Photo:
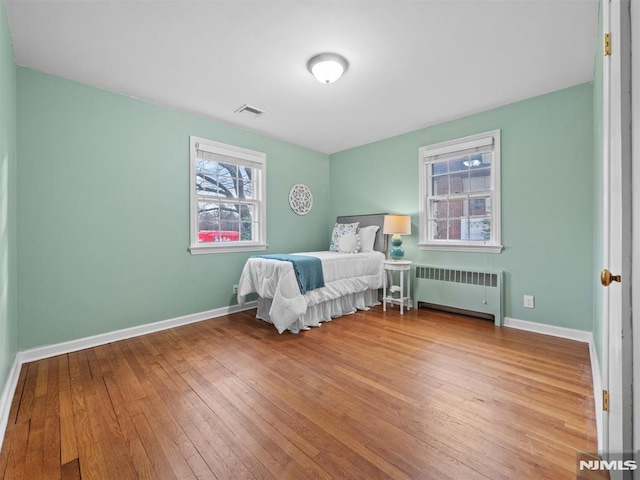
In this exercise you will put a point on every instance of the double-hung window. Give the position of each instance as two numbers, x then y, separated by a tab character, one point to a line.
460	194
228	204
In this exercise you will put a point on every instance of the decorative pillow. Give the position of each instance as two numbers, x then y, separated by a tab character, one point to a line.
349	243
367	238
339	230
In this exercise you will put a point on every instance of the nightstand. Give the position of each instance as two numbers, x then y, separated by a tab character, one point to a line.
403	267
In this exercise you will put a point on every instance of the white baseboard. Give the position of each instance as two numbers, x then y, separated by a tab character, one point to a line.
580	336
563	332
39	353
89	342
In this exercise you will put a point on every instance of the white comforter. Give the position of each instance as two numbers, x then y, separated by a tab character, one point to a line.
343	274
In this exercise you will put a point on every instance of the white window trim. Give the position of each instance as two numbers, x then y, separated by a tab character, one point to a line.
451	146
197	248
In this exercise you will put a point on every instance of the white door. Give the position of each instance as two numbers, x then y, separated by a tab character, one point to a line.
617	346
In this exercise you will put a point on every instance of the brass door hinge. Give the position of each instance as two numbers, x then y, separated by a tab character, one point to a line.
605	400
607	44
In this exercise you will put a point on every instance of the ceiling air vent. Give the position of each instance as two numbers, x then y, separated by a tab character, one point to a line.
250	111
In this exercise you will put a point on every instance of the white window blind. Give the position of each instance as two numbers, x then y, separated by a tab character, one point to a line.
483	144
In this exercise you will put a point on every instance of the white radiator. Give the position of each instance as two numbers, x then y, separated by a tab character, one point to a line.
465	290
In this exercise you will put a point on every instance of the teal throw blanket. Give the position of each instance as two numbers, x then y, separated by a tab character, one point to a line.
308	270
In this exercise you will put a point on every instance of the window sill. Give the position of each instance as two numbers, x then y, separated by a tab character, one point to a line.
448	247
225	247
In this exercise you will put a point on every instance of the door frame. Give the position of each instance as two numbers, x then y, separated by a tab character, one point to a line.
635	180
617	351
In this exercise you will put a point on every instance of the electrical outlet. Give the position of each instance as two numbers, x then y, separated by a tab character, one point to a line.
235	289
529	301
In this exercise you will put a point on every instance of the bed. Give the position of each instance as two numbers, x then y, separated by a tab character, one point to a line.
352	278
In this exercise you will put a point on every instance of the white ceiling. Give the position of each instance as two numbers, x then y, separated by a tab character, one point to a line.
411	63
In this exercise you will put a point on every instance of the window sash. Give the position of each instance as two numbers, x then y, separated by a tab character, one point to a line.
463	213
469	188
464	197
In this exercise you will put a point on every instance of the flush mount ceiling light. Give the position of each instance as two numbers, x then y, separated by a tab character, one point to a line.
327	67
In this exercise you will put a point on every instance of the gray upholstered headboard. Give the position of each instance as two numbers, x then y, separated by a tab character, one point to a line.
380	244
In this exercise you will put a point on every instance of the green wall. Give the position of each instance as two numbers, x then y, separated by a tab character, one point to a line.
547	198
103	211
8	272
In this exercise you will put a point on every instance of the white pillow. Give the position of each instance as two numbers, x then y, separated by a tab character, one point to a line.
368	238
349	243
339	230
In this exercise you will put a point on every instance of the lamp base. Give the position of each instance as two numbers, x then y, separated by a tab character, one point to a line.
396	252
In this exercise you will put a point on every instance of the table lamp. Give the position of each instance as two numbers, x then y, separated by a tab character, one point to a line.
396	225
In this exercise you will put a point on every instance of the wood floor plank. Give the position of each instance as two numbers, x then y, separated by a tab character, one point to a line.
183	456
370	395
123	407
75	381
92	465
12	420
51	432
89	462
35	443
157	459
68	439
70	470
28	393
112	448
17	452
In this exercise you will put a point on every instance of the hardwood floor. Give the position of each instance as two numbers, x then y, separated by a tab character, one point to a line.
369	396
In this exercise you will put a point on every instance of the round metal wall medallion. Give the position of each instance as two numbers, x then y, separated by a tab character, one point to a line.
300	199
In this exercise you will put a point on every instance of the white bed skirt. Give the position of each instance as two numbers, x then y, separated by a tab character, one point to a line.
324	311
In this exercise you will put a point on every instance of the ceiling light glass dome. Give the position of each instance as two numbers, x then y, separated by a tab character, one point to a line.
327	67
